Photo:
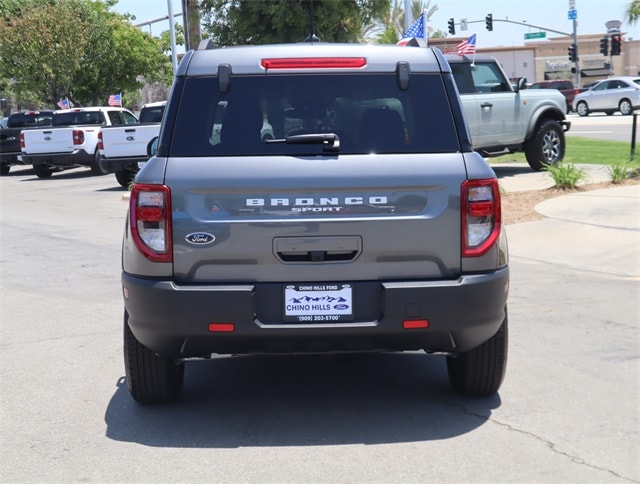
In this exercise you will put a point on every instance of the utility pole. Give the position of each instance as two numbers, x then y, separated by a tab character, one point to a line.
573	15
191	19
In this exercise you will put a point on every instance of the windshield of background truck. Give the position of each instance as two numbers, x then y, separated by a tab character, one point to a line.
368	113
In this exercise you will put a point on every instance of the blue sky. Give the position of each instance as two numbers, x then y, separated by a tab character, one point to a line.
592	15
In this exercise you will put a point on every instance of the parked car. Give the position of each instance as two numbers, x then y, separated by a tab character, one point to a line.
563	85
620	93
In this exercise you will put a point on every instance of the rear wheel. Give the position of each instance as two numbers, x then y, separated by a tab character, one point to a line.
125	177
546	146
479	372
96	166
582	109
151	378
43	171
625	107
4	169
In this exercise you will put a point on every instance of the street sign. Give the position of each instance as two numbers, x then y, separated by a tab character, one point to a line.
463	24
535	35
572	14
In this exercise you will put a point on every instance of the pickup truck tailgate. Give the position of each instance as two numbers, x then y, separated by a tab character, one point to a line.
317	219
127	141
54	140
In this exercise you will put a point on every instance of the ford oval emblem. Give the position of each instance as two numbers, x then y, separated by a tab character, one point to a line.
130	138
200	238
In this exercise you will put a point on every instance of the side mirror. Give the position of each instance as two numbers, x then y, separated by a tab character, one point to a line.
152	147
522	84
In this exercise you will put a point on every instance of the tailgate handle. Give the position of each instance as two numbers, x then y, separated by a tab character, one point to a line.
317	249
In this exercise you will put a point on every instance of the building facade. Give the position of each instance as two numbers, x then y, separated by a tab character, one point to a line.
549	59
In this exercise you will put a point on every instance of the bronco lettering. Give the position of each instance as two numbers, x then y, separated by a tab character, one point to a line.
315	202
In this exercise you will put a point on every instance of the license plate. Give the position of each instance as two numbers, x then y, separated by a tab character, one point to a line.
309	303
141	164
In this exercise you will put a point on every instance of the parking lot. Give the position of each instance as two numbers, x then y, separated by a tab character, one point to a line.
567	412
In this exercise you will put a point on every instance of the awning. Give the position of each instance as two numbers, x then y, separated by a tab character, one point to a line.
595	73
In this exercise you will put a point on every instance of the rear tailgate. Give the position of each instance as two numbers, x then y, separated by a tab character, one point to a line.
355	217
128	141
50	140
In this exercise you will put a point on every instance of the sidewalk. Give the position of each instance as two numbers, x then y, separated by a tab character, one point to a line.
596	230
519	177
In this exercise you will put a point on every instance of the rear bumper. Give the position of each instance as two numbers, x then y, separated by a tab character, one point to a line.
174	320
117	164
75	158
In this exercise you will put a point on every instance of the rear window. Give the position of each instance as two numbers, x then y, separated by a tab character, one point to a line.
23	120
151	114
77	118
368	113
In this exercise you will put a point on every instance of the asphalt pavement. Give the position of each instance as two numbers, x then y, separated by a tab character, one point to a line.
593	230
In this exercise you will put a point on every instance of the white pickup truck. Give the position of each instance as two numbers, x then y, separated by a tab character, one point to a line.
123	149
72	139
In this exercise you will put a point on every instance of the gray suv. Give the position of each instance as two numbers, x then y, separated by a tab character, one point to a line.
313	198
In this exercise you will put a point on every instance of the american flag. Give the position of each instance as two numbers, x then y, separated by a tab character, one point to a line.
467	46
115	100
416	30
63	103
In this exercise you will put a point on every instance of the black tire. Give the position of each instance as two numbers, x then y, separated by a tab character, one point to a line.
546	146
582	109
625	107
96	166
479	372
151	378
4	169
42	170
125	177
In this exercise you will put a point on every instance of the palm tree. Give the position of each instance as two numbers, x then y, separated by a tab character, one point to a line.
391	27
632	14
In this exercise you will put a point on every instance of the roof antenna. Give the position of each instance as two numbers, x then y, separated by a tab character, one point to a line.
312	36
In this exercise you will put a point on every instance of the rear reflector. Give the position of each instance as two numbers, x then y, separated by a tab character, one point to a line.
315	63
222	327
415	324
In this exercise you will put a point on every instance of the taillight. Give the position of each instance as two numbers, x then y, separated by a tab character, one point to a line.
78	137
22	145
481	216
100	143
315	63
150	221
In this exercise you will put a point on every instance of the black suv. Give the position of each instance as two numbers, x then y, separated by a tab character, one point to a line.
314	198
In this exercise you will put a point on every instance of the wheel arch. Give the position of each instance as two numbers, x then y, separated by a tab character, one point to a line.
543	114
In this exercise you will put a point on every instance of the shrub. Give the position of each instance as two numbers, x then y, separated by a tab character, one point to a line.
619	172
566	175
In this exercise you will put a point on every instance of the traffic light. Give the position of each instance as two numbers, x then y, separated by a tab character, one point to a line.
573	53
604	46
615	44
452	26
488	20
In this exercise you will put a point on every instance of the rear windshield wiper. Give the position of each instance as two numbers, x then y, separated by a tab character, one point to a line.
330	141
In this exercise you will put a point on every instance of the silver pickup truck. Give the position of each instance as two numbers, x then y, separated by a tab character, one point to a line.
363	222
505	119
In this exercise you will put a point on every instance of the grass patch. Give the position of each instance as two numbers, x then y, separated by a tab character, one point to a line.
588	151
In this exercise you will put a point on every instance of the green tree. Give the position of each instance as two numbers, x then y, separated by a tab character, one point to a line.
632	12
76	48
39	48
237	22
120	55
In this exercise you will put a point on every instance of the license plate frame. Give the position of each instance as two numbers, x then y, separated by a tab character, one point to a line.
318	303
